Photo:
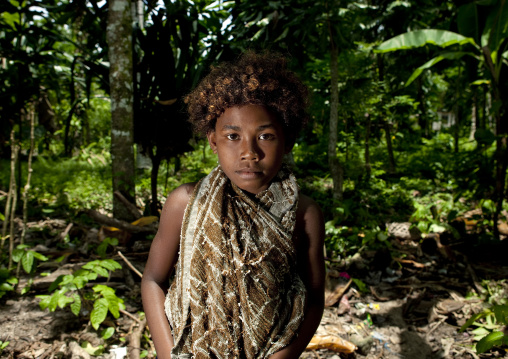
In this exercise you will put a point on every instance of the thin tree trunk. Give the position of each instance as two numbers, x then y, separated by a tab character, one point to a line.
474	117
367	147
119	36
500	89
422	119
391	157
154	205
29	175
336	169
14	195
12	190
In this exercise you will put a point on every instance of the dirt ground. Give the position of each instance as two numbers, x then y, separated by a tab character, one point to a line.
417	294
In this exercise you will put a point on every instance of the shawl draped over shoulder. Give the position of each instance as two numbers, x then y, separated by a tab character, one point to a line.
236	292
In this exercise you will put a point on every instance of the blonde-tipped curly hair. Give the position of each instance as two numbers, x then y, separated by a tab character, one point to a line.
255	79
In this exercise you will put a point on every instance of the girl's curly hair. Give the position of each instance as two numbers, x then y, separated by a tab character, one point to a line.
258	79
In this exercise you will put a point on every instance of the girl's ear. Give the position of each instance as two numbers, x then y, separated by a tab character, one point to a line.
212	141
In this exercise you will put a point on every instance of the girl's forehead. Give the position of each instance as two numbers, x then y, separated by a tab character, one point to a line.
247	115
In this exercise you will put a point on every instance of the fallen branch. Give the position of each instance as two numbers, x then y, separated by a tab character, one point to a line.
128	205
130	264
124	312
66	231
113	222
339	291
135	340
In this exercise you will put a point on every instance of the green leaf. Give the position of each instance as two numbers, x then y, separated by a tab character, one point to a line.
496	28
435	60
90	349
39	256
467	21
494	338
420	38
44	303
99	312
101	271
53	302
27	261
17	254
107	333
63	300
471	320
76	306
56	283
501	313
484	137
361	285
110	264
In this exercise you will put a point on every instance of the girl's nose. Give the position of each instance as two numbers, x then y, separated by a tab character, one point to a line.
250	151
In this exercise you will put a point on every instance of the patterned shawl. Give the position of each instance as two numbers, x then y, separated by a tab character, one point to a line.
236	293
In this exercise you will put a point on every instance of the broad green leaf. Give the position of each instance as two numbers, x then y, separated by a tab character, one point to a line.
494	338
76	306
5	287
63	300
100	271
90	349
39	256
420	38
107	333
103	289
45	299
496	28
114	305
501	313
2	217
467	21
80	281
110	264
27	261
17	254
435	60
53	302
99	312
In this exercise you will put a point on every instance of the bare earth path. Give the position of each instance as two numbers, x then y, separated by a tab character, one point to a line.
416	297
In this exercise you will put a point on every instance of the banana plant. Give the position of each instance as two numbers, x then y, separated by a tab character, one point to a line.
483	35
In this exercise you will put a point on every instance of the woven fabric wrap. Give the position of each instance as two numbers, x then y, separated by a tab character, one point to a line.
236	293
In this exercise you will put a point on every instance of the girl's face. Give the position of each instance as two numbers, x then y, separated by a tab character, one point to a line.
250	144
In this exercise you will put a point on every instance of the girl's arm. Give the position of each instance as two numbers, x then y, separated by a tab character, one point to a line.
310	240
161	261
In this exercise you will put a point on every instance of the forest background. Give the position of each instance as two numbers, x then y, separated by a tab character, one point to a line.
409	121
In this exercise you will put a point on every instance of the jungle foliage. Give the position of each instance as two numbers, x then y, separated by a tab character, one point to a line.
409	108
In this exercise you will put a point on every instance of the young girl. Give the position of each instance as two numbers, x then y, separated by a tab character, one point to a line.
247	246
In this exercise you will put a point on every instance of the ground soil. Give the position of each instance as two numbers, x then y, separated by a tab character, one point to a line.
417	295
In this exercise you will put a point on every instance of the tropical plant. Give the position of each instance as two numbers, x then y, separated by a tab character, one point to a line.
486	42
69	290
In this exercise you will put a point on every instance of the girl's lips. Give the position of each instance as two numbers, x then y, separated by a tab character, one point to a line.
249	173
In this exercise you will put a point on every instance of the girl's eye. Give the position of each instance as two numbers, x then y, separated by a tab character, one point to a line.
232	136
266	136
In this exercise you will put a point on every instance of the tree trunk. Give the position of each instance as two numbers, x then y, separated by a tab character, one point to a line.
119	37
156	162
336	169
391	157
422	119
367	147
12	191
31	115
500	89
